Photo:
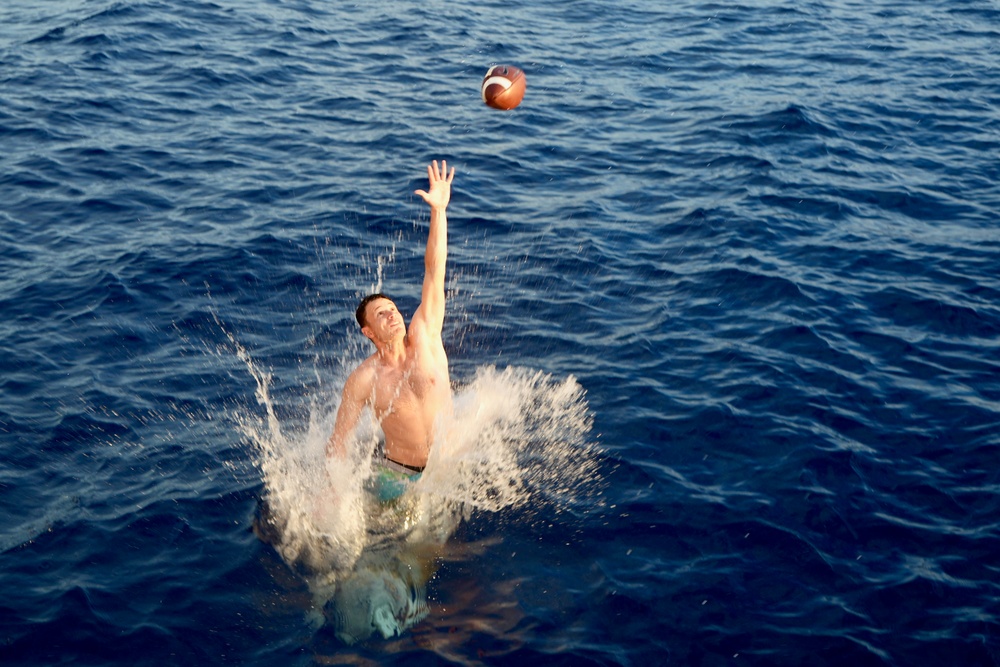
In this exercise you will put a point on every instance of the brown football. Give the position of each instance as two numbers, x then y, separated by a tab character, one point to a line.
503	87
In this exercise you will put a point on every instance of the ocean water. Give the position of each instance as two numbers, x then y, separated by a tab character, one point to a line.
724	326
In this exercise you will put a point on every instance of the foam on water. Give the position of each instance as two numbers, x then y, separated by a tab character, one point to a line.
518	439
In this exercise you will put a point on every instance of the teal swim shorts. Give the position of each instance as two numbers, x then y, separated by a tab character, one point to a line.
392	479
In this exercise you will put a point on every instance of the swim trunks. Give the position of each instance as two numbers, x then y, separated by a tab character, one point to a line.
392	479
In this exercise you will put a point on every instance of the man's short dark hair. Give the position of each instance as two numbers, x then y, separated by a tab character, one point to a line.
359	314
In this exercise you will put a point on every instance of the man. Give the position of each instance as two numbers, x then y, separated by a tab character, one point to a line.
405	381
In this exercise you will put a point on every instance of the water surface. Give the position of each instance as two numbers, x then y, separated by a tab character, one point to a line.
760	238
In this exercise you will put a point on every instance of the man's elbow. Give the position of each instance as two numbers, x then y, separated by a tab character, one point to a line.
434	264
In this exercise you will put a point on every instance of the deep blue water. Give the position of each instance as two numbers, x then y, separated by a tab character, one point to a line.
762	237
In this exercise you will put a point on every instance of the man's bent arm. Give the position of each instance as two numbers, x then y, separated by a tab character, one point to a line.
352	402
430	314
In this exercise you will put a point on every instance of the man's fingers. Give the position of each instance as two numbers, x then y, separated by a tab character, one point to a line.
435	174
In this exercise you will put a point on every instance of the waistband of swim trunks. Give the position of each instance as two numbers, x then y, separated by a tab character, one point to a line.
399	467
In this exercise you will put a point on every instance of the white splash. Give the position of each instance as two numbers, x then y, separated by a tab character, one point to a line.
518	438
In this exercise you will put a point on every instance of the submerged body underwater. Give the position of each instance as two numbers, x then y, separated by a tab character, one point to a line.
367	544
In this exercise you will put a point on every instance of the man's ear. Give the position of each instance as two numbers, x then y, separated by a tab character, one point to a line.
369	334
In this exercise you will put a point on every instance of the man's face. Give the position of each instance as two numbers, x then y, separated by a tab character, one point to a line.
383	321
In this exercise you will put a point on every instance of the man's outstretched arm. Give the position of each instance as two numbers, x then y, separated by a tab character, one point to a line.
430	314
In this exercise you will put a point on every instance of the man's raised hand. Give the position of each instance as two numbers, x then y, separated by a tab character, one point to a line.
439	193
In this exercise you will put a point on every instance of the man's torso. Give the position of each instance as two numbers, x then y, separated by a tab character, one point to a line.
407	401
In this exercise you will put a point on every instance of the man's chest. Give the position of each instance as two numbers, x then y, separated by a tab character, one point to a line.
406	388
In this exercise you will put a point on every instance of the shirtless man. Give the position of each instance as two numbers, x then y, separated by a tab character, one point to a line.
406	380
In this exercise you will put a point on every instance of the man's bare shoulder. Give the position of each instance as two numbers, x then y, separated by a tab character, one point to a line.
361	380
427	348
421	333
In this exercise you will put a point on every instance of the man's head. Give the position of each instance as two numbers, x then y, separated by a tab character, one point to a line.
380	319
361	314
